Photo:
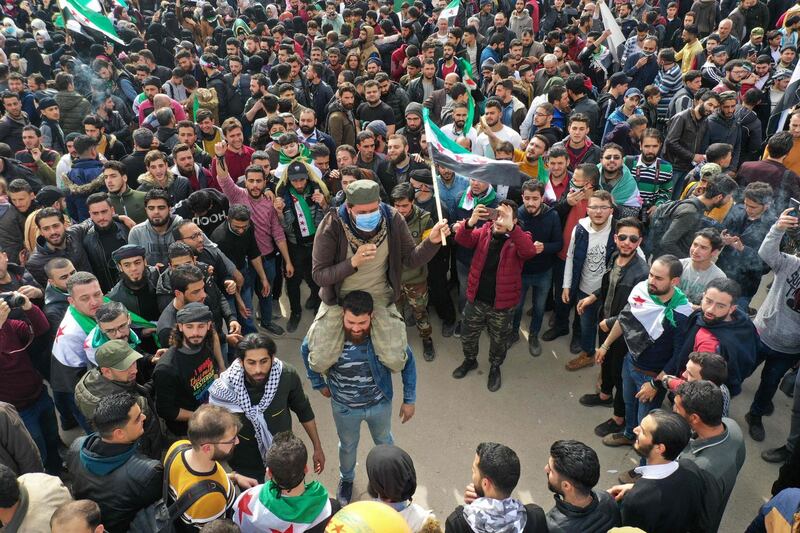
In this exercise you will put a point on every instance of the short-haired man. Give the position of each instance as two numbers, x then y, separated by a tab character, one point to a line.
264	391
116	372
684	217
260	509
718	450
184	374
138	281
494	285
159	176
572	471
82	516
123	199
683	140
653	325
699	268
213	435
591	243
100	236
226	275
35	157
660	438
580	148
653	174
84	177
775	168
185	165
70	360
492	121
495	474
135	483
360	387
155	234
56	240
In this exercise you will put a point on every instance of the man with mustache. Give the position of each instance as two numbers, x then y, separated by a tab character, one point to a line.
263	391
685	136
137	284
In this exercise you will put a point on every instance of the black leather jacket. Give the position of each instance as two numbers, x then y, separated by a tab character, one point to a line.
123	294
598	517
102	266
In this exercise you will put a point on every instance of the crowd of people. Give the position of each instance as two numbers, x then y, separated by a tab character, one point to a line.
169	170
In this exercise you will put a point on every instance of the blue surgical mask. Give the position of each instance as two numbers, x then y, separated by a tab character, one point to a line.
368	221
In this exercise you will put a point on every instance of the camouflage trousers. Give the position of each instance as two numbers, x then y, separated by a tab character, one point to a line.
498	322
416	296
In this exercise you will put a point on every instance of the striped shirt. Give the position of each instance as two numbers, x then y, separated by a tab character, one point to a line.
654	181
668	82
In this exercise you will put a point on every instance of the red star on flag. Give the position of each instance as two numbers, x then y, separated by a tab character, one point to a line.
290	530
60	332
244	505
638	300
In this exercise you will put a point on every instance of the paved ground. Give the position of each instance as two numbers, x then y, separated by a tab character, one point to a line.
537	404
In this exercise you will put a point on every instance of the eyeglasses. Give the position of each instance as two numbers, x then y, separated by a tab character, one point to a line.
114	331
194	236
612	157
234	440
633	238
598	207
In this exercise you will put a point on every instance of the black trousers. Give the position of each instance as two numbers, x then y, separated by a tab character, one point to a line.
611	373
301	259
438	292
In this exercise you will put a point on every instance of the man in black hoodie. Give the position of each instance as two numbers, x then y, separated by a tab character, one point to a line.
107	468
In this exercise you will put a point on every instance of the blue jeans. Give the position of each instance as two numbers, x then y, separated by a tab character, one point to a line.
678	182
776	364
266	302
635	411
348	427
588	324
463	274
540	283
65	402
40	420
247	291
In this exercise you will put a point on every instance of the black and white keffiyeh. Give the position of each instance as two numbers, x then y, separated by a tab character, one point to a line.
230	391
487	515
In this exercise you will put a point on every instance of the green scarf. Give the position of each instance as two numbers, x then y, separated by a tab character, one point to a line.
304	156
678	299
541	172
302	509
305	220
99	338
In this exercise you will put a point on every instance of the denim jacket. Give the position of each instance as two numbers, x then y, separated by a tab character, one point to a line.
381	374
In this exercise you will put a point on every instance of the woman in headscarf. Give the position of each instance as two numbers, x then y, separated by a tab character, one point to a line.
393	480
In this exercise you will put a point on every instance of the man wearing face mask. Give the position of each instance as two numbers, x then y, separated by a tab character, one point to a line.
365	245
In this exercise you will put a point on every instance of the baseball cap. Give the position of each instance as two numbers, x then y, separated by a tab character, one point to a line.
116	355
633	91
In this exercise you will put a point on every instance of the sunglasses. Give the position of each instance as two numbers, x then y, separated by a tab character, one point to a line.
633	238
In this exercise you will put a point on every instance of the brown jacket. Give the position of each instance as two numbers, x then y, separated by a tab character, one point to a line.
17	449
330	266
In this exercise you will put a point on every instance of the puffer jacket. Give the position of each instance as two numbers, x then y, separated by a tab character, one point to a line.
74	108
121	484
517	249
330	263
93	386
178	187
84	178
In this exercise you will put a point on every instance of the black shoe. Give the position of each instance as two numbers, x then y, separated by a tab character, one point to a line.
294	321
608	427
464	368
68	424
755	427
457	331
273	328
592	400
770	409
448	328
575	345
553	333
428	351
513	339
494	378
345	492
534	348
776	455
312	304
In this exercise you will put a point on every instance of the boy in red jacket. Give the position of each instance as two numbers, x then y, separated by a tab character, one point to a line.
494	283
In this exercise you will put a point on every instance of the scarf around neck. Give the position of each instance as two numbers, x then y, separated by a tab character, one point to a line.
468	201
305	219
230	391
303	509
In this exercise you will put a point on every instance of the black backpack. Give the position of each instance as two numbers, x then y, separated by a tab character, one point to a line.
659	223
161	516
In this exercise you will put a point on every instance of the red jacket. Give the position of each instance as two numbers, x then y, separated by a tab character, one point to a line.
517	249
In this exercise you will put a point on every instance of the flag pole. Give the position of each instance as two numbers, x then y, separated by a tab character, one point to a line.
436	190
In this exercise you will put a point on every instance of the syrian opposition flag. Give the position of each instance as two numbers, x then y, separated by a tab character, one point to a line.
451	11
261	509
643	317
455	157
469	80
80	14
609	22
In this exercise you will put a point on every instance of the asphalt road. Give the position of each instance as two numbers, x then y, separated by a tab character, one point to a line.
537	404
